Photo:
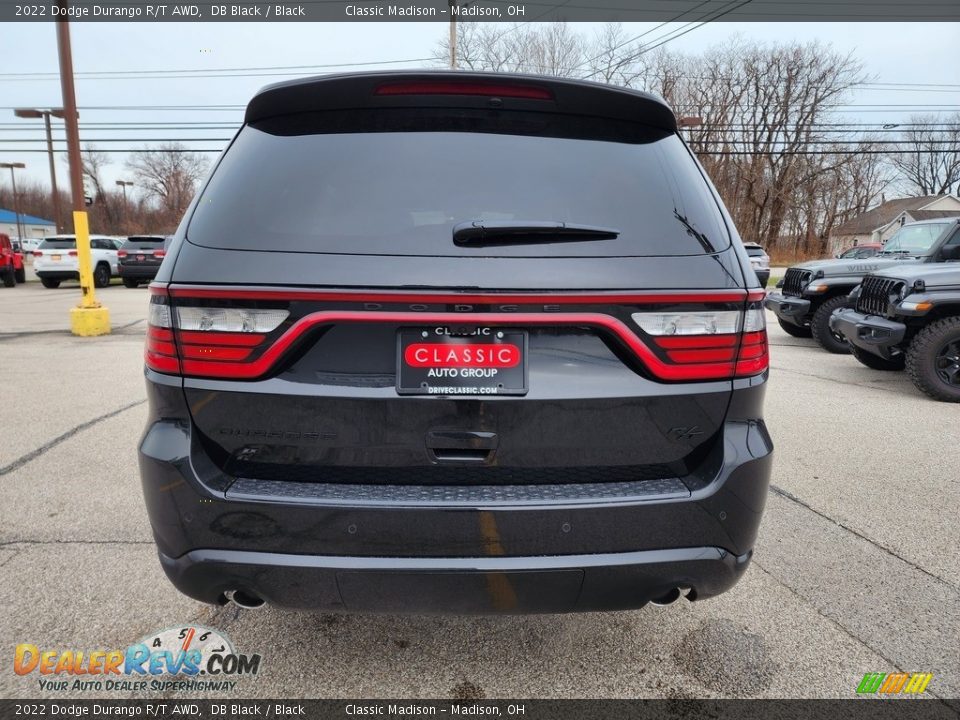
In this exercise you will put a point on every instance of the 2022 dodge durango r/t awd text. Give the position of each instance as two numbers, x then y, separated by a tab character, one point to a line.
452	342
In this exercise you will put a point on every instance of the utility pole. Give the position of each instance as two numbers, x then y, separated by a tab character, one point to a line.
89	318
453	34
45	114
16	200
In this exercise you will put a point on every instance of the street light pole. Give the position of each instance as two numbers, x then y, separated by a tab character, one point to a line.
89	318
16	200
125	184
45	114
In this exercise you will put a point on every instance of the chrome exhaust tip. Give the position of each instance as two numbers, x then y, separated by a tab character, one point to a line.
670	597
244	599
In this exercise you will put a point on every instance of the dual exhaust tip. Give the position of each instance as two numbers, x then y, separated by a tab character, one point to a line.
251	601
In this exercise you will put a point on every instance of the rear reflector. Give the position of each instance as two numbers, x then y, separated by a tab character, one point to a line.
443	87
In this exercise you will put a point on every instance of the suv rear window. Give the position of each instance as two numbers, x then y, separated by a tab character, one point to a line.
753	251
295	185
143	243
58	244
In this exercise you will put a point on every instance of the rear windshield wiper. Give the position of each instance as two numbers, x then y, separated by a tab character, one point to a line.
480	233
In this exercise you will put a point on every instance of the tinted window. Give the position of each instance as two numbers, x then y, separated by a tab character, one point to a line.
58	244
402	192
755	251
143	243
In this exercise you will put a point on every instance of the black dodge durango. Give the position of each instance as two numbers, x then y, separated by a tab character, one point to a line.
455	342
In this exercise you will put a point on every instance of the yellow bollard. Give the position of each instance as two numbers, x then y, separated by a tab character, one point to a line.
89	318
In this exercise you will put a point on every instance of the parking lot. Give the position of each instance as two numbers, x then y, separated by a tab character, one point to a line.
856	568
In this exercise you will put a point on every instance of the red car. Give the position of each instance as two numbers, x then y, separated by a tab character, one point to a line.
11	263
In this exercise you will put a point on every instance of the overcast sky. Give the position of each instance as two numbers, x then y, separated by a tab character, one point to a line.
891	52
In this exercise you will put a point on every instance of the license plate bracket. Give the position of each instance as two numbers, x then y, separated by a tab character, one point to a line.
476	362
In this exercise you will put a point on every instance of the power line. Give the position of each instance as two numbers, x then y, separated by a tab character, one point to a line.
703	152
187	72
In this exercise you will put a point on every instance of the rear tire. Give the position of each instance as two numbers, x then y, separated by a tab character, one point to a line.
875	362
50	283
820	326
933	360
101	275
794	330
8	278
20	275
128	283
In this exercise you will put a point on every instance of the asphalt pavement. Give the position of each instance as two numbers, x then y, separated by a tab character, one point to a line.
856	568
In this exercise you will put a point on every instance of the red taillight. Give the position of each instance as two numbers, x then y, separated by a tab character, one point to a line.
246	334
216	352
160	353
72	253
121	253
445	87
711	344
37	253
159	253
754	356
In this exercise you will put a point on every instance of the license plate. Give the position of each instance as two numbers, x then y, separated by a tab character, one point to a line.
55	257
463	361
139	258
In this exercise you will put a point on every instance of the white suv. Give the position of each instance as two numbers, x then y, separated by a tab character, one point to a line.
55	260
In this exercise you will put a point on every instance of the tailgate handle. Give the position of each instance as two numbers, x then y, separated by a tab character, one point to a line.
462	445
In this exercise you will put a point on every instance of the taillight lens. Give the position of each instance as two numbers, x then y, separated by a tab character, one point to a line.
205	341
37	253
72	253
121	253
159	253
710	343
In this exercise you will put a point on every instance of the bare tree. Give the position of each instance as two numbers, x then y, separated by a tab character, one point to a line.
930	159
103	212
545	49
169	175
784	176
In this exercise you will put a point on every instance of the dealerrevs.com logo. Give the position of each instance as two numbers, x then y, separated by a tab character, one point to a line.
886	684
180	658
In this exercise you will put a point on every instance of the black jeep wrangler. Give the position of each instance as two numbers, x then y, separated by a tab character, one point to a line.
812	291
910	317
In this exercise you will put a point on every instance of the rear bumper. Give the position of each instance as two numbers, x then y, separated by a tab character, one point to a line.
563	583
59	274
788	309
874	334
547	548
133	272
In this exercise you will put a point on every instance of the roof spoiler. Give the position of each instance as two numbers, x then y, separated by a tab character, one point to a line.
457	89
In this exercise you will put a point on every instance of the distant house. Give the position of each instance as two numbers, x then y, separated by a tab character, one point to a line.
32	227
878	224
